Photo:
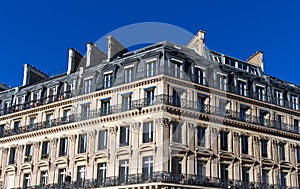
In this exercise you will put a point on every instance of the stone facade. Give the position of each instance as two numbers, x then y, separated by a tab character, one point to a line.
161	117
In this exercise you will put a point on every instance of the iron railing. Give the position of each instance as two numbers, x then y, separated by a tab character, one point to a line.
157	100
161	177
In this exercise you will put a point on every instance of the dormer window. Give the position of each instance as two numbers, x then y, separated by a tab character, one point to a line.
221	81
6	106
151	67
278	97
87	86
242	87
177	67
35	97
108	79
52	94
128	74
260	92
294	102
200	75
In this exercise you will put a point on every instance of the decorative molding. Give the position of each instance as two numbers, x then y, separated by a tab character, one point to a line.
113	130
162	122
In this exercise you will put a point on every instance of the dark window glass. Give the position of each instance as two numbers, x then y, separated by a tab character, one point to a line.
63	147
147	167
177	132
123	170
224	140
244	144
124	136
82	143
201	136
148	132
101	174
264	148
102	140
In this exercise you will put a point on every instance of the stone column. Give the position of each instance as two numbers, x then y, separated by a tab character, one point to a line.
71	151
19	161
52	155
90	154
111	142
236	151
215	147
191	158
134	161
162	145
35	160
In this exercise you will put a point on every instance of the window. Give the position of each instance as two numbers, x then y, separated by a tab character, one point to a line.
222	106
16	127
242	88
49	118
45	149
221	81
20	101
108	79
101	174
87	86
224	172
278	98
243	113
151	68
199	76
6	107
82	143
177	132
32	122
128	75
123	170
298	154
244	144
124	136
44	178
265	177
85	111
278	121
2	130
51	94
245	174
81	171
12	156
105	106
201	168
294	102
176	165
28	152
148	132
224	140
296	125
149	96
201	136
264	148
176	98
61	176
178	70
102	140
282	151
201	103
262	115
126	101
260	93
63	147
66	115
26	180
35	97
147	167
283	176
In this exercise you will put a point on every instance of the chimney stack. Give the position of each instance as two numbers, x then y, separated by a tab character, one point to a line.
114	48
198	43
258	59
32	75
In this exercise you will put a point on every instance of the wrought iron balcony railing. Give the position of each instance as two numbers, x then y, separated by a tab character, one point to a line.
164	178
157	100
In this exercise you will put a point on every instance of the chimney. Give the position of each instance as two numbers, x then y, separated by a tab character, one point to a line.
3	87
198	43
258	59
88	53
73	60
32	75
94	56
115	48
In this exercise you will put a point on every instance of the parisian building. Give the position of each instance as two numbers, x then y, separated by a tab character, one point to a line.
161	117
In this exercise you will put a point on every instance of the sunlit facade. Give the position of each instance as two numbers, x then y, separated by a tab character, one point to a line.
163	117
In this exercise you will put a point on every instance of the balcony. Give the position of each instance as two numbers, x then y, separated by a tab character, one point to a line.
36	103
163	178
158	100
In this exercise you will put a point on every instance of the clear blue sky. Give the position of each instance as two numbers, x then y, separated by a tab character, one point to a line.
40	32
